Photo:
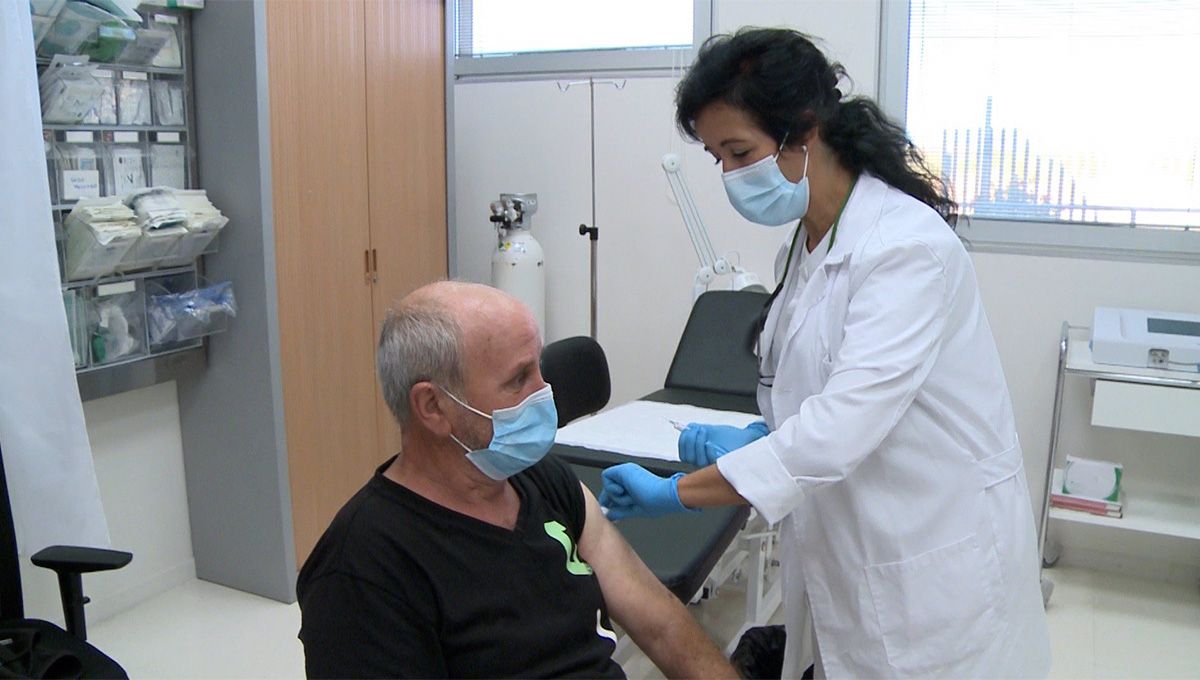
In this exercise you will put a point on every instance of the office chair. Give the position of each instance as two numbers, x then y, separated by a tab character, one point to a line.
39	649
577	370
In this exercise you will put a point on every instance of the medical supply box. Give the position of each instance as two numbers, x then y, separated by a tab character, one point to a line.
1146	339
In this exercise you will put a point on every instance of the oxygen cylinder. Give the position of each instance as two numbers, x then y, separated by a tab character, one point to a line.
518	263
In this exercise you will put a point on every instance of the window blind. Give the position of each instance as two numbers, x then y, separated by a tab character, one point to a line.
1058	110
506	27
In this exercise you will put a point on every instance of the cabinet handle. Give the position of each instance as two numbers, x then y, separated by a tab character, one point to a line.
374	266
367	266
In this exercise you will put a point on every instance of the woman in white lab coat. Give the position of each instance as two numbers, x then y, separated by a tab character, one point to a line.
889	449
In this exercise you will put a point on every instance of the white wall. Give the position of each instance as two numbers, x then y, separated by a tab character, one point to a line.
139	465
531	137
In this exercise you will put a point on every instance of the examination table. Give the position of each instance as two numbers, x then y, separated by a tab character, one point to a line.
714	367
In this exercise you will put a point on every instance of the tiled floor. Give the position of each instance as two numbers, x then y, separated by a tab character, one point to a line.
1101	626
1104	625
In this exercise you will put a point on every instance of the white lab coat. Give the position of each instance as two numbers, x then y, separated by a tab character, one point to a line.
893	460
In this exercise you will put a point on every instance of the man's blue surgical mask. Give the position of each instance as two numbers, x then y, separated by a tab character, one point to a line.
763	195
521	435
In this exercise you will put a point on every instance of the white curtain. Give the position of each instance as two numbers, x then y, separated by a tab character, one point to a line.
51	479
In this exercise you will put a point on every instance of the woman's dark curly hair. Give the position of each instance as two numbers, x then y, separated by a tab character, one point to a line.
787	85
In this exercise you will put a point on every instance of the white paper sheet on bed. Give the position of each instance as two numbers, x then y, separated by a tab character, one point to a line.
643	428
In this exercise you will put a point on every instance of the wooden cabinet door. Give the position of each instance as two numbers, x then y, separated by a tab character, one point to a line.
406	151
317	82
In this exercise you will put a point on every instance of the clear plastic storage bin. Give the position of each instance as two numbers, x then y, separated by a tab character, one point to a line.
94	250
179	311
117	322
76	326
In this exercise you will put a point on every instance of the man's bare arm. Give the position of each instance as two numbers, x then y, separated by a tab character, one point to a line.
658	623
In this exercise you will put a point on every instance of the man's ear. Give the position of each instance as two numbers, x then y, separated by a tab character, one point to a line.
425	405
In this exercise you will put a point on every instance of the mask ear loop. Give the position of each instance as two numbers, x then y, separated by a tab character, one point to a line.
463	404
467	406
803	147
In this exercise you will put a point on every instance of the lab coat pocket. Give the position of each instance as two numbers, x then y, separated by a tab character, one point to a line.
936	610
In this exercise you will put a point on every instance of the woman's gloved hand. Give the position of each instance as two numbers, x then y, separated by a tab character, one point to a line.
631	490
701	445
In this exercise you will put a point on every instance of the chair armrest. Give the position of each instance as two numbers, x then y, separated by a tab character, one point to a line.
69	562
70	559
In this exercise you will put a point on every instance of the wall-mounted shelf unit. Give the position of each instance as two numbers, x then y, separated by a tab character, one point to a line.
168	121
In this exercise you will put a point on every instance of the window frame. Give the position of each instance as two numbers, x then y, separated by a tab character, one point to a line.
577	63
1067	239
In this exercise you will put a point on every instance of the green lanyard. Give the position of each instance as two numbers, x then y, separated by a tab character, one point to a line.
832	233
762	322
833	230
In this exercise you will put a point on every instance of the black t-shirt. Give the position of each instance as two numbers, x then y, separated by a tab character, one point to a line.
399	586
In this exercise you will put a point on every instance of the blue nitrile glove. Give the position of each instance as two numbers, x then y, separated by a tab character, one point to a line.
631	490
701	445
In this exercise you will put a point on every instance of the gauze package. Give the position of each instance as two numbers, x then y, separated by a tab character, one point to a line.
127	171
146	46
69	91
168	102
168	165
133	99
78	173
104	111
171	54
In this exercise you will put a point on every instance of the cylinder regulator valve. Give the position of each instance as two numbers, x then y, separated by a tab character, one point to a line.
518	263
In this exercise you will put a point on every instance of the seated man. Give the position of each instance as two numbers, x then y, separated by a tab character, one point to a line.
469	553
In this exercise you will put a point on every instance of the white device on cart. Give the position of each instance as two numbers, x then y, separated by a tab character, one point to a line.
518	263
1146	339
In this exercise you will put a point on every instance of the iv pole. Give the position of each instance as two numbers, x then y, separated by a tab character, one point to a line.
593	231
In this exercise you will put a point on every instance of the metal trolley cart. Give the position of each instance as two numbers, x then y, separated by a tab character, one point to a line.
1164	514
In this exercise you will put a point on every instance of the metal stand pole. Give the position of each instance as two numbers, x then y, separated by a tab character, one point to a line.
592	232
1044	521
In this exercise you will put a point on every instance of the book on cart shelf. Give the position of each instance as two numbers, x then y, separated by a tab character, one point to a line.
1092	506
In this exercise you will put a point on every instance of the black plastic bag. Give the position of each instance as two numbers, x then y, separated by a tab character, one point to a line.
759	654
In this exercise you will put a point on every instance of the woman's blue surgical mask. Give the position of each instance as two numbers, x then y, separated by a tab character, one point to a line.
521	435
763	195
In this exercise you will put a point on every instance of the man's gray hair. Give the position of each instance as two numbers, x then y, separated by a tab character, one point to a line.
419	342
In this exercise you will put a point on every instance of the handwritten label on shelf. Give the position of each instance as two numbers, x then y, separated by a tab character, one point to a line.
80	136
125	137
118	288
134	75
79	184
172	137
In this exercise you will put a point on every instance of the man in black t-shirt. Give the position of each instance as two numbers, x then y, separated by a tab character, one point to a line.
471	553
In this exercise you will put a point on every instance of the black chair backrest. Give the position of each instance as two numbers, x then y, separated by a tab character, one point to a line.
716	351
12	604
577	370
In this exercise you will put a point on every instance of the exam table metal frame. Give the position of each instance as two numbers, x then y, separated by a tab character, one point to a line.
714	367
